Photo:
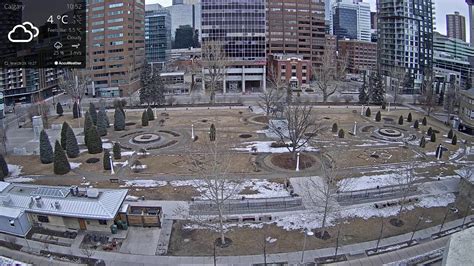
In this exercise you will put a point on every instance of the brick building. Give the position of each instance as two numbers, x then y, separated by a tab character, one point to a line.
361	55
294	70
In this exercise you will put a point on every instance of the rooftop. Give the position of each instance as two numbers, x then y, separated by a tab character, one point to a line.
89	203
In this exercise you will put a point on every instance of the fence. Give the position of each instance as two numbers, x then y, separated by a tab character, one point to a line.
368	195
244	206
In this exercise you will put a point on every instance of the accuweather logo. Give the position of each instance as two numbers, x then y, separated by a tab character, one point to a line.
23	33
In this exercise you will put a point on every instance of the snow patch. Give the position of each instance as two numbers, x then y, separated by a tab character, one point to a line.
144	183
74	165
19	179
265	147
14	170
107	145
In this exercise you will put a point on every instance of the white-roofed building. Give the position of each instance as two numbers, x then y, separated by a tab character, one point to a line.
63	207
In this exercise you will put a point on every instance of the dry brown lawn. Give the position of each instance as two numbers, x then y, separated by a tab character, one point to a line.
247	241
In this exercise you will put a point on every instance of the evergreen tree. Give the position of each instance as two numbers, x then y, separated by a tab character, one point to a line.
450	134
378	116
384	106
87	125
363	96
76	110
102	109
3	168
334	128
72	148
145	118
416	124
433	137
94	142
424	121
152	91
61	164
454	141
93	113
117	151
341	133
59	109
400	120
377	90
409	118
102	123
422	142
119	120
106	160
212	133
151	115
430	131
118	104
46	151
368	113
64	130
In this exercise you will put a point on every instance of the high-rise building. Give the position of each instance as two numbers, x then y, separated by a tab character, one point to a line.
296	27
21	85
373	20
405	40
351	20
470	4
239	28
185	13
451	57
116	46
456	26
157	33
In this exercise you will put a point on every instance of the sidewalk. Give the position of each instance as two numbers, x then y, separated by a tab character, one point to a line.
112	258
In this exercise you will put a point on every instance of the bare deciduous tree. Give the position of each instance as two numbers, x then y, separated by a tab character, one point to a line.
323	191
214	61
212	165
270	99
398	76
74	83
328	77
405	178
451	99
428	96
299	128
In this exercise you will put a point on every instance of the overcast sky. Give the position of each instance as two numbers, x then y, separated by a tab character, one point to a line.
443	7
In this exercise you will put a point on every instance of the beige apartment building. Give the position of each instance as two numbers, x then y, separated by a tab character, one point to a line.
115	46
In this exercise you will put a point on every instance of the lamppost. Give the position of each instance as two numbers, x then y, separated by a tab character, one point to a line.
112	172
307	233
297	162
420	218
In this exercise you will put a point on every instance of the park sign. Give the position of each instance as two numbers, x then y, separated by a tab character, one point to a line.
2	106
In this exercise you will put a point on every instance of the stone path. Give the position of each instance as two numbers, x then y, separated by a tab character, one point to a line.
165	235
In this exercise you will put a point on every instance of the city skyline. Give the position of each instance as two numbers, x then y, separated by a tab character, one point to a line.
443	7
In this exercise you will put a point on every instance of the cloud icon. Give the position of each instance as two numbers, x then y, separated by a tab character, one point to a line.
23	33
30	27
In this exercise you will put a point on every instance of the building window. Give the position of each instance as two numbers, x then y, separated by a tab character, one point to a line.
43	219
103	222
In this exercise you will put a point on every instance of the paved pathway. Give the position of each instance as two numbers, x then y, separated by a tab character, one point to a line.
165	236
141	241
113	258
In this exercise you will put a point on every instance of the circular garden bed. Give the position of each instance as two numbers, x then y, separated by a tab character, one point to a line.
287	161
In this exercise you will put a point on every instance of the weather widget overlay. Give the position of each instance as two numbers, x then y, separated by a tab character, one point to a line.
43	33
